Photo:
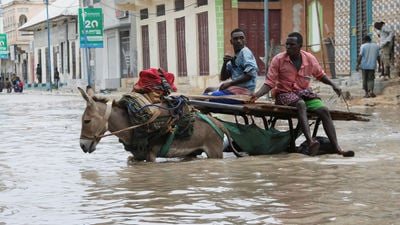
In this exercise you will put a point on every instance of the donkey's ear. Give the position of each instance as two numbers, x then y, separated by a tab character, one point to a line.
90	91
88	99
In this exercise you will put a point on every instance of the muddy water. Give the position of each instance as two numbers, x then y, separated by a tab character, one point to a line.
45	178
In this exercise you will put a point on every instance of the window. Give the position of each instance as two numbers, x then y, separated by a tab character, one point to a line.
202	2
73	57
61	70
179	5
162	44
144	14
361	22
145	47
22	20
67	56
202	26
55	59
124	54
48	74
160	10
181	46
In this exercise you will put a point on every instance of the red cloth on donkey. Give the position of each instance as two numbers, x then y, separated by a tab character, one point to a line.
150	80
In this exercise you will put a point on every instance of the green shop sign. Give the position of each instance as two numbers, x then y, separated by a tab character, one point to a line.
3	46
90	27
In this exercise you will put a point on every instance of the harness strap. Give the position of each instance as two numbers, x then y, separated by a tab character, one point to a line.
154	117
165	148
211	123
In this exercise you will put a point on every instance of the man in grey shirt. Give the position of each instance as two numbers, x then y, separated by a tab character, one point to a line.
239	72
386	35
369	56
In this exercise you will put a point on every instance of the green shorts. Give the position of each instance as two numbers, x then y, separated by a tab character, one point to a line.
314	104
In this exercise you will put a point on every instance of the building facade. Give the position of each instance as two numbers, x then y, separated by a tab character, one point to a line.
178	36
190	37
116	62
15	14
64	51
353	20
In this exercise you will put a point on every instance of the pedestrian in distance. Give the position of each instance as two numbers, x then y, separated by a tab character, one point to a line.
8	85
1	84
238	72
386	43
56	77
289	75
367	60
39	73
13	79
19	85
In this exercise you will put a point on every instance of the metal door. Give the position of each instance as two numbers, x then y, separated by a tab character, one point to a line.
181	46
202	26
162	44
252	22
145	47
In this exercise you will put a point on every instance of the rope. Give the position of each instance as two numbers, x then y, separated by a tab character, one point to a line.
347	105
155	115
158	106
152	119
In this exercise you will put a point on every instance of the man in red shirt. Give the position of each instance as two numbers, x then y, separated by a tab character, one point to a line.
289	75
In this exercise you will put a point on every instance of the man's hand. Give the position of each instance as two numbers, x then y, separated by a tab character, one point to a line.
225	85
253	98
337	89
227	58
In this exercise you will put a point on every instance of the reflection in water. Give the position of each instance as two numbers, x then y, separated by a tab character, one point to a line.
45	178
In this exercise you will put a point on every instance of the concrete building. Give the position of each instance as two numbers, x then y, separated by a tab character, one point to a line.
116	63
1	31
64	43
190	37
353	20
15	14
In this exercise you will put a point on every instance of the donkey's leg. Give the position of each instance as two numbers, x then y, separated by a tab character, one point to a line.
214	149
151	155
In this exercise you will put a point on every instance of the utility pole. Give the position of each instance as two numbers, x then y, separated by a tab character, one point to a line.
48	63
266	35
89	53
91	60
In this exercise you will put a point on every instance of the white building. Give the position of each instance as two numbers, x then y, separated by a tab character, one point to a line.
64	43
115	64
181	37
15	14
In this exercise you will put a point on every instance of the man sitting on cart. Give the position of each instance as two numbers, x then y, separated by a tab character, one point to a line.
289	75
241	69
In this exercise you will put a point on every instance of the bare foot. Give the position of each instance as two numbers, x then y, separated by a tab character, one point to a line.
346	153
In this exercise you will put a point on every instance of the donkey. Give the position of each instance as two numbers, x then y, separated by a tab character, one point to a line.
103	115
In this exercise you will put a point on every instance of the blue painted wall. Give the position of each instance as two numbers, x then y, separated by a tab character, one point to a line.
353	29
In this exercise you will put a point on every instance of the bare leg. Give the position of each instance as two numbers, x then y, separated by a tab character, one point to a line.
313	145
329	128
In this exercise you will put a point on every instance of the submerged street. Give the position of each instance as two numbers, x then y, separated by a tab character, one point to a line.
45	178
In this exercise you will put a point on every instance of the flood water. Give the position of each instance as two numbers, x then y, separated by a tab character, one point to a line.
45	178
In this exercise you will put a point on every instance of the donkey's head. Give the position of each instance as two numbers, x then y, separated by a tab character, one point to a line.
94	121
